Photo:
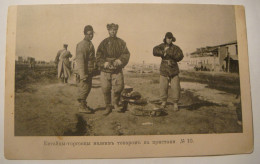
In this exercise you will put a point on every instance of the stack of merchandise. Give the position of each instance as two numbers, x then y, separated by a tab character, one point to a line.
133	101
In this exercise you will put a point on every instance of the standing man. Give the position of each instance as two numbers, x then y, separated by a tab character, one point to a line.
32	63
169	70
112	56
63	64
85	58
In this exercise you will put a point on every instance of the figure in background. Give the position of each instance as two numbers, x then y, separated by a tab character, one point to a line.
112	56
169	69
63	64
32	63
85	67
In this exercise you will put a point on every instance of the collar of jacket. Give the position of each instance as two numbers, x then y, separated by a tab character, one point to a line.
169	45
113	38
87	39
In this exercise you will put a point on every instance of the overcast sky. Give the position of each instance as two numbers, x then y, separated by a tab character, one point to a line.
42	30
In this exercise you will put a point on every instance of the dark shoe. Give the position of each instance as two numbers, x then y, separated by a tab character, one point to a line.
61	81
163	104
88	109
108	110
83	108
119	108
65	80
175	107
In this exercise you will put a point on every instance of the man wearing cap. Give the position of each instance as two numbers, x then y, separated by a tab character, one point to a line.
85	58
112	56
169	70
63	64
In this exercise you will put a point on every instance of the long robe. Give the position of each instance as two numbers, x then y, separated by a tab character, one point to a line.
64	64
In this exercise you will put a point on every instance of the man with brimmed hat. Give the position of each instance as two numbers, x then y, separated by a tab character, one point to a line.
112	57
169	70
85	65
63	64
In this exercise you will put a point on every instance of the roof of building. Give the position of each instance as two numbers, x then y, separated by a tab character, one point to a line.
229	43
205	50
209	49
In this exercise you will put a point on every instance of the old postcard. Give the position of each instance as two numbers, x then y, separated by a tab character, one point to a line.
126	81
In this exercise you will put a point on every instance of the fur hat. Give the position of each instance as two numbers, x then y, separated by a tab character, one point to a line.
169	36
112	25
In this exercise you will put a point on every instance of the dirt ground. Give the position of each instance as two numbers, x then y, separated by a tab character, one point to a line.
45	107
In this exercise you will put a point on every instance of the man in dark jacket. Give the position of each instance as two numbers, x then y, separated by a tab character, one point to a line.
169	70
112	56
85	61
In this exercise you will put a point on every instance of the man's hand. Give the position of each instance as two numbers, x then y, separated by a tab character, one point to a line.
165	49
85	78
106	65
117	63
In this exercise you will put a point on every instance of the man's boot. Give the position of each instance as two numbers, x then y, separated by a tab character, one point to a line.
89	110
83	108
118	108
163	104
65	80
175	107
61	80
108	110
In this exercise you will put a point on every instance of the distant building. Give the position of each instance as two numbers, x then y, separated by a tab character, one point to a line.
184	64
32	62
20	59
222	57
30	59
142	67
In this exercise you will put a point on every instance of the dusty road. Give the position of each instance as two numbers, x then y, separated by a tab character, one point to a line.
50	108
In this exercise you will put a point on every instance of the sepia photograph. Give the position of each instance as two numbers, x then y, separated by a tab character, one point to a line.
140	74
133	70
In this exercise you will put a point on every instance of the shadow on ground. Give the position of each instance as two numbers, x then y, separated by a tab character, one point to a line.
81	127
197	106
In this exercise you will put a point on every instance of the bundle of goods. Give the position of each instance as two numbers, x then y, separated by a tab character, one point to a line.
137	105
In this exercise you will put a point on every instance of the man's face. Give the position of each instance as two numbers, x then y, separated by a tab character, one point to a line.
89	35
168	40
112	32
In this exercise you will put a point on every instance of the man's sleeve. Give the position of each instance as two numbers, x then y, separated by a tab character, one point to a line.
57	58
80	61
158	51
70	55
177	54
100	58
124	58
